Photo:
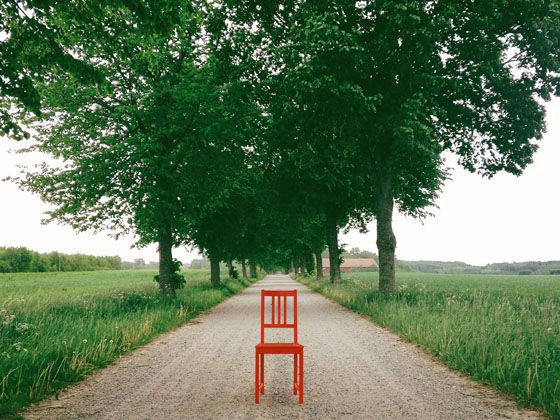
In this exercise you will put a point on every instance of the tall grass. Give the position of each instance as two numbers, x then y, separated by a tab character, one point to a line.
501	330
57	327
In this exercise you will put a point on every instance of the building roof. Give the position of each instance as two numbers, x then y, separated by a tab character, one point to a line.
353	262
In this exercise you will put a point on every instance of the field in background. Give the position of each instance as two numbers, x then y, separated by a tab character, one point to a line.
57	327
501	330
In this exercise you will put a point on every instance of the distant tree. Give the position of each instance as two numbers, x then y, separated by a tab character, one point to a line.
14	260
200	263
19	259
358	253
38	263
139	263
368	254
354	252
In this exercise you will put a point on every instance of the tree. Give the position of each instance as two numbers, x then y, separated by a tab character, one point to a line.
359	253
465	77
318	116
13	260
19	259
128	146
222	189
459	76
139	263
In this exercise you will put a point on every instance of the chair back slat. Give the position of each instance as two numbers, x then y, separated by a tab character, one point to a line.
279	310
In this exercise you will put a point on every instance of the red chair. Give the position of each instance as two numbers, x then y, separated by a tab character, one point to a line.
279	319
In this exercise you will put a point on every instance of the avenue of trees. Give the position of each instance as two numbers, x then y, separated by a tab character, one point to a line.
256	131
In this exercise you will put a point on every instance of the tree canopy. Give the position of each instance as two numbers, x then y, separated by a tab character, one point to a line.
256	131
39	39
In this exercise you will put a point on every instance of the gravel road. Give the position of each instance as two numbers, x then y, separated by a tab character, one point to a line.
205	370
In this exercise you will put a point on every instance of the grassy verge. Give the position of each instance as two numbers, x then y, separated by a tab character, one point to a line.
501	330
57	327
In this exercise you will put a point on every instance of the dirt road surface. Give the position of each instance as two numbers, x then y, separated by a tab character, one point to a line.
205	370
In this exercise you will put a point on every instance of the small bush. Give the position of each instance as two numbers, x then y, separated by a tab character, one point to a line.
177	279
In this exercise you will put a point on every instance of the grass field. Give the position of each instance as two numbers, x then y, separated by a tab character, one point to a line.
501	330
57	327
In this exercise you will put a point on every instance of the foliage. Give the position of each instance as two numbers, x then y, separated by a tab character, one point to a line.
501	330
41	39
358	253
43	348
378	90
177	279
135	150
200	263
17	260
233	273
457	267
139	264
199	118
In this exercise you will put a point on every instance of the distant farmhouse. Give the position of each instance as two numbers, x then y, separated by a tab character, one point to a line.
350	265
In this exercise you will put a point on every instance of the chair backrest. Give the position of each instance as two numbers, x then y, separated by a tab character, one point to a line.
279	310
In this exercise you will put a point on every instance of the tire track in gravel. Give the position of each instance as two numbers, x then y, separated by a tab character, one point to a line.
204	370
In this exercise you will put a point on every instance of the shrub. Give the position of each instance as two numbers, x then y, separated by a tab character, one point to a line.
177	279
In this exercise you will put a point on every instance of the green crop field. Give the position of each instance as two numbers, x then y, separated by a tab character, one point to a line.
501	330
57	327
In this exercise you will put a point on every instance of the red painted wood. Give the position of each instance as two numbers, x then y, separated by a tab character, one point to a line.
279	319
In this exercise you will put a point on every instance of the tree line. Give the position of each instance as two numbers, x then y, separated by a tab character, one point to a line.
256	131
457	267
23	260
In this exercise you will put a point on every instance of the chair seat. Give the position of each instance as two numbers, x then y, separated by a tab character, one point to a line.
279	348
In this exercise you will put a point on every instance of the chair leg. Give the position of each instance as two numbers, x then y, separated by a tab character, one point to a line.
262	373
295	373
257	370
301	378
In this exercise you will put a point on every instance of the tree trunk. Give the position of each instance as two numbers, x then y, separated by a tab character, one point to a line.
215	271
386	241
319	263
165	244
296	267
229	267
244	269
303	265
253	270
332	243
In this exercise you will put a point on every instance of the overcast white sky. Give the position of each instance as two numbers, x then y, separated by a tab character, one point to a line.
479	221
